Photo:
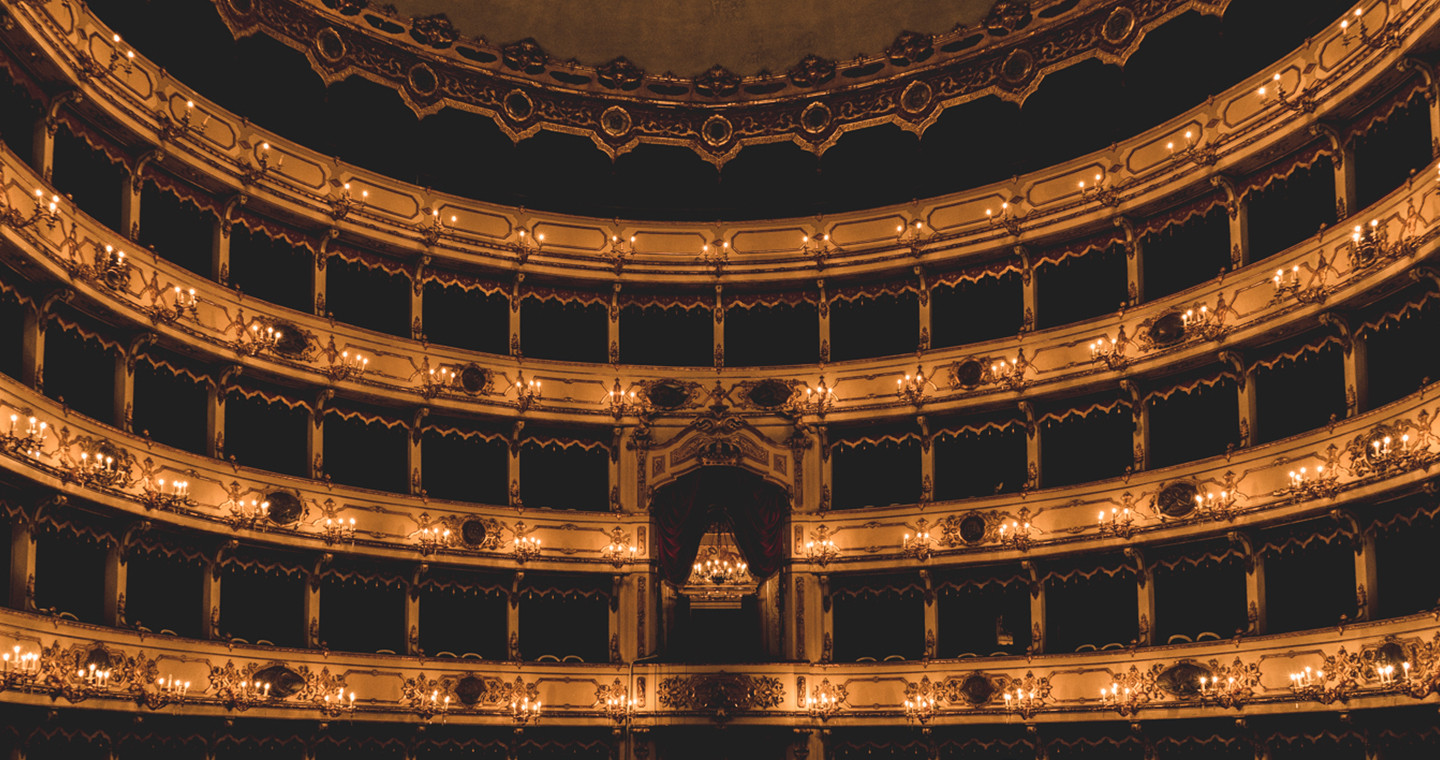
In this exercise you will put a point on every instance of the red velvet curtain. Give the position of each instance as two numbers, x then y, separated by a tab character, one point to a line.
756	509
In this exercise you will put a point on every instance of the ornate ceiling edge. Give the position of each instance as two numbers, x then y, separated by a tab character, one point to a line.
524	92
221	151
1253	675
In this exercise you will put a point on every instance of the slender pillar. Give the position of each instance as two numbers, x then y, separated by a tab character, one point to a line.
718	327
1239	215
1139	426
621	602
927	468
1038	620
215	421
1255	593
1367	590
116	574
1034	460
514	472
414	456
932	617
22	566
809	744
823	308
515	301
220	252
922	343
1029	290
210	601
312	612
1249	410
130	203
315	444
512	619
43	159
612	330
123	388
1346	194
412	620
417	300
827	620
318	283
1145	606
32	366
1135	271
1357	377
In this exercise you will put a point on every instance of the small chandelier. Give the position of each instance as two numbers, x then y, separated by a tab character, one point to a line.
527	392
1016	535
433	380
912	388
921	703
99	468
615	700
524	711
247	513
430	538
825	699
338	703
621	550
527	546
259	338
167	495
817	400
348	366
1024	702
19	668
27	438
917	545
1219	506
46	212
721	567
820	548
1117	522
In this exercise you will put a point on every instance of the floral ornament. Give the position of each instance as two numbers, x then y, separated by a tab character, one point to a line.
437	31
525	55
910	47
812	71
717	82
620	74
1008	16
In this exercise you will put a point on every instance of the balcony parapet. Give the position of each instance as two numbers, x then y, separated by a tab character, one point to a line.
1316	671
228	156
1248	306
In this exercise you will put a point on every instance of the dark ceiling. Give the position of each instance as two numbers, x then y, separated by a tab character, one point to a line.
1075	111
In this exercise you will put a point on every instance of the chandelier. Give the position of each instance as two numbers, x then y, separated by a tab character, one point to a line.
720	567
25	439
720	577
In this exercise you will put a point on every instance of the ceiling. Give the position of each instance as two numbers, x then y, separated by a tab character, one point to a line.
686	37
1082	108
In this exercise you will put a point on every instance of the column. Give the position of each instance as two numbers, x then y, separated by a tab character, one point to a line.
1367	591
612	330
22	565
515	315
412	619
923	341
1140	426
927	461
317	277
210	601
124	390
718	327
130	201
1037	616
513	468
1357	376
1029	287
1254	586
932	617
827	620
116	574
417	299
1033	458
215	421
1145	603
512	619
43	157
621	601
1134	267
315	444
809	744
1239	214
220	252
32	361
1346	193
1245	396
824	310
312	611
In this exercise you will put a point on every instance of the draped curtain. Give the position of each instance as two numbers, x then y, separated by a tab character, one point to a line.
756	509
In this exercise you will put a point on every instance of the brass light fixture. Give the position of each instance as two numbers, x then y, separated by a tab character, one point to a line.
25	439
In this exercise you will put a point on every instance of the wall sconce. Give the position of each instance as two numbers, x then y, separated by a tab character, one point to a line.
100	468
338	703
433	227
347	366
1312	684
820	548
621	251
430	538
921	703
338	529
912	388
1385	449
817	400
918	544
19	669
183	303
26	439
433	380
1386	38
1099	191
911	234
1117	522
817	248
1219	507
1006	218
168	689
245	514
162	495
1193	151
1385	675
1024	703
1300	101
623	403
344	202
715	254
109	268
527	392
1111	352
825	700
1368	243
173	128
524	711
1286	281
526	545
253	172
1307	483
529	245
45	211
432	704
258	339
620	551
1124	700
123	60
617	703
1016	535
92	679
247	694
